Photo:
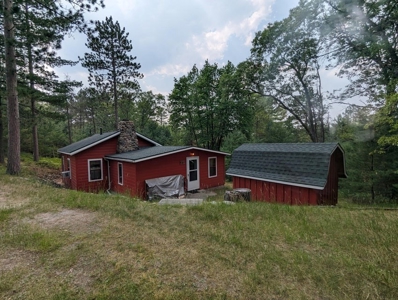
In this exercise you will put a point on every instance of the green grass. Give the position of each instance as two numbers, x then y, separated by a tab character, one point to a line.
123	248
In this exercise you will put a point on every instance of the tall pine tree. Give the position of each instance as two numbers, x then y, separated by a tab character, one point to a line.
110	63
40	32
68	12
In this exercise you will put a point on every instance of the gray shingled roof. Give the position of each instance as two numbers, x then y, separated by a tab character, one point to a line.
96	139
87	142
145	153
304	164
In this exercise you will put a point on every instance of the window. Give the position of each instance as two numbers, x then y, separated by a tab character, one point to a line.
94	169
212	166
120	173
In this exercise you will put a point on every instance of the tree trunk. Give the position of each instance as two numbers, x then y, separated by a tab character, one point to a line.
114	87
35	138
69	124
1	132
14	143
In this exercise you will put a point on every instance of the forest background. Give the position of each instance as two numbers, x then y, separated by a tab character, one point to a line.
275	95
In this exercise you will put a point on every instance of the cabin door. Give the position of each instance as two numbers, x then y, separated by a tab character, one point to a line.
192	173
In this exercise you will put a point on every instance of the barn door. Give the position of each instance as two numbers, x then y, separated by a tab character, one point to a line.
192	173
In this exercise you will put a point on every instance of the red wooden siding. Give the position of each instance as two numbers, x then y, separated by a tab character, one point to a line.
135	174
142	143
129	178
79	166
175	164
288	194
329	194
276	192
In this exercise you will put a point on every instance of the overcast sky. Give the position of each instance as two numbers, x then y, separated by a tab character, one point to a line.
170	36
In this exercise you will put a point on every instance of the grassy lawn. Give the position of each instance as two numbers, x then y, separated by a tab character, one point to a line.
61	244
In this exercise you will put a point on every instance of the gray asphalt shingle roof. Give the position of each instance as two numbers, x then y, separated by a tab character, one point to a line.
146	153
87	142
96	139
303	164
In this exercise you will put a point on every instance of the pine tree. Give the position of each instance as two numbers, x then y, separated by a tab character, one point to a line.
110	63
13	162
53	12
37	52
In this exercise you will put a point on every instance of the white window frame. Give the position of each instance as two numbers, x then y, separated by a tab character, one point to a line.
69	168
208	162
89	171
120	174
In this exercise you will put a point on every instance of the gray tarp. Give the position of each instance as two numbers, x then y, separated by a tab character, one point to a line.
165	187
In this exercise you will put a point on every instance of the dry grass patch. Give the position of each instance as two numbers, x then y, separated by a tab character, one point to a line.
72	220
10	197
70	245
11	260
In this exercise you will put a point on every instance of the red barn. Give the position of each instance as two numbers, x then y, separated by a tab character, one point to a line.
122	160
304	173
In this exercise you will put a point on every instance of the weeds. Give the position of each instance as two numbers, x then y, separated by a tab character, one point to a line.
123	248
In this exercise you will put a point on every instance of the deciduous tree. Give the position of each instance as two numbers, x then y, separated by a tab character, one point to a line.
284	66
210	103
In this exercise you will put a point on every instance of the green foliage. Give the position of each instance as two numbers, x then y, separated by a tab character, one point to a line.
271	125
156	132
371	172
362	41
211	103
387	125
109	62
285	67
51	163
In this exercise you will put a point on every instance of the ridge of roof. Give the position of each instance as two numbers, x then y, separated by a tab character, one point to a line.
96	139
290	147
154	152
88	142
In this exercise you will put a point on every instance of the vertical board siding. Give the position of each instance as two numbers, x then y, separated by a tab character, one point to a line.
296	195
329	195
276	192
287	194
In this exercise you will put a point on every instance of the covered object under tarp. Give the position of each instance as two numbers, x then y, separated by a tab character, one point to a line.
165	187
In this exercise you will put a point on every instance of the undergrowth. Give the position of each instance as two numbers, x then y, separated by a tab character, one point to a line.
124	248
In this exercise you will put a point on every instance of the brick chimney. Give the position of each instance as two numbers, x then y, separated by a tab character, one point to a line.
127	140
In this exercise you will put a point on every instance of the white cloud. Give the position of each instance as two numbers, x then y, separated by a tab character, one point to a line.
125	7
212	44
170	70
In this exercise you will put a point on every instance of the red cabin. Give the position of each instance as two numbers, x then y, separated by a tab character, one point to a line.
304	173
122	160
